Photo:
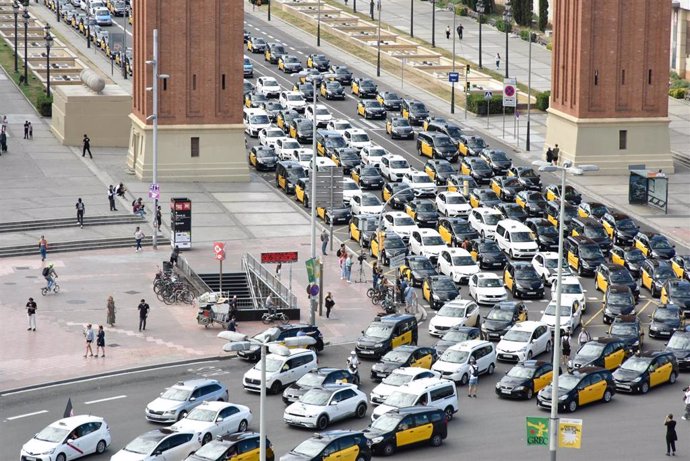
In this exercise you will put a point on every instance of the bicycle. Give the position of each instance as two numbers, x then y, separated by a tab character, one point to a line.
54	289
270	317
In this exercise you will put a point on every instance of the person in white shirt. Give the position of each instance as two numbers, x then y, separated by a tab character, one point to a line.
686	416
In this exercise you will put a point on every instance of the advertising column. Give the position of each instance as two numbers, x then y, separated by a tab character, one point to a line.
181	223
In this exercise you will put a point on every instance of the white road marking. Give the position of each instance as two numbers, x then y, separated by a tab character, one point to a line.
292	48
107	399
122	28
270	36
592	298
27	415
369	124
300	52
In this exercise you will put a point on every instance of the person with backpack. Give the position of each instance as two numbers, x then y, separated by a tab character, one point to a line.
50	275
474	379
459	29
111	198
348	268
80	206
549	156
324	242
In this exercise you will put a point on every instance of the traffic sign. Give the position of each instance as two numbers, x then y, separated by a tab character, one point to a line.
219	250
314	289
488	95
154	191
453	77
509	92
279	257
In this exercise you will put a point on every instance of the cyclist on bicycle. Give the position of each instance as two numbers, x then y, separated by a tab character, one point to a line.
50	275
270	307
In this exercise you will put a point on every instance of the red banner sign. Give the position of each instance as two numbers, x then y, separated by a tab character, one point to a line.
219	250
279	257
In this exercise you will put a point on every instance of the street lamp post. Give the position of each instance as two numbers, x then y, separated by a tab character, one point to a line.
507	18
57	10
312	203
15	10
378	43
567	167
529	91
123	59
88	31
480	10
269	9
452	84
49	42
318	23
433	23
26	17
412	18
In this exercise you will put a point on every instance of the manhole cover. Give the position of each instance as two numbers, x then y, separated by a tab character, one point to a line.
113	345
132	292
76	301
32	276
10	283
22	268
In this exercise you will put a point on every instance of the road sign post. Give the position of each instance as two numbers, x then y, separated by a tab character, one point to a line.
509	100
488	95
219	252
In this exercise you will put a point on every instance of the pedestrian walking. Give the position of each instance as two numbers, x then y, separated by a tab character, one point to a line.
80	206
232	325
3	140
31	131
143	314
90	336
371	9
279	267
138	237
549	155
460	29
409	295
671	435
233	306
110	312
26	129
348	268
43	248
86	146
498	60
556	152
324	242
100	341
342	257
159	219
374	274
4	122
686	399
345	2
565	349
174	255
584	337
474	379
111	198
329	304
447	32
31	312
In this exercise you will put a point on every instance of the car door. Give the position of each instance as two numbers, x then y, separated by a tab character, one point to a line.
539	340
347	404
247	450
602	279
573	259
472	315
647	275
421	358
444	263
405	433
542	378
660	371
78	442
614	356
228	421
508	278
445	233
576	315
585	390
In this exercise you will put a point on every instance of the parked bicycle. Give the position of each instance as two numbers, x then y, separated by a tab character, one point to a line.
270	317
170	290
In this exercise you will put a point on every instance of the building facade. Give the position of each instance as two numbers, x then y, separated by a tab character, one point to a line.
680	38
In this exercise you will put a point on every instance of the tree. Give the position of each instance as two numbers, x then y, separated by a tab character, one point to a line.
522	12
543	14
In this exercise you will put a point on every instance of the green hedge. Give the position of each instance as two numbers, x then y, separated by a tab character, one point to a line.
525	33
678	93
477	104
44	104
501	25
543	100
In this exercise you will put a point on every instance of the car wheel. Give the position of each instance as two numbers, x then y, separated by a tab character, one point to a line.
322	422
306	202
529	355
182	415
207	438
361	458
464	379
672	378
548	347
449	413
607	396
529	393
579	270
61	457
436	440
644	388
361	411
388	449
490	370
655	294
100	448
243	426
276	387
572	406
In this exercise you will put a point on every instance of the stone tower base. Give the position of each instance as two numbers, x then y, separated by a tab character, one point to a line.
597	141
221	154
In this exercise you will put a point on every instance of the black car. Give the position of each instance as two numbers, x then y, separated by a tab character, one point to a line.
655	272
525	379
454	336
307	90
618	300
487	254
438	290
583	386
414	111
583	255
341	74
302	130
630	258
644	371
317	378
330	445
393	245
522	280
439	170
416	269
620	228
389	100
332	90
654	245
238	445
274	52
454	231
679	344
477	168
399	127
272	108
263	158
279	333
553	192
592	209
460	182
289	64
592	229
403	356
347	158
501	318
512	211
610	274
424	212
399	193
338	214
484	198
527	176
448	128
472	145
605	352
372	109
285	117
363	228
406	427
666	320
506	188
546	233
532	202
497	160
677	292
628	329
369	177
364	87
318	62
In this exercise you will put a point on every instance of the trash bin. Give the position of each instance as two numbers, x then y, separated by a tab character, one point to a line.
167	267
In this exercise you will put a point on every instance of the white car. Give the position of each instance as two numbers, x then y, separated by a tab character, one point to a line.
255	120
572	292
372	155
320	406
457	264
282	369
400	223
212	419
292	100
323	116
350	189
339	126
94	5
303	156
454	363
571	316
285	147
357	138
268	136
484	221
487	288
71	437
158	445
366	203
420	183
515	239
523	341
394	167
399	377
321	164
427	242
546	265
268	86
455	313
452	204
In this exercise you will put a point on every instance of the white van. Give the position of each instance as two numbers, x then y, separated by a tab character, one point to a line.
484	221
516	239
281	370
255	120
432	392
454	364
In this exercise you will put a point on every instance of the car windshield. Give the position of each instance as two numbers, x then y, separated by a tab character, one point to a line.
310	447
454	131
403	221
426	206
291	59
592	349
211	451
322	111
52	434
367	84
626	224
386	423
462	227
201	414
421	179
680	342
622	276
454	356
311	379
421	264
590	251
291	144
317	397
397	379
665	314
548	231
399	164
489	282
259	119
521	237
500	314
418	106
373	104
336	141
623	330
663	272
305	125
572	288
173	393
463	261
400	399
638	364
491	219
489	248
452	311
400	122
660	244
499	156
272	365
379	330
342	126
680	290
521	372
518	336
395	243
370	200
396	356
295	97
368	225
634	256
376	152
455	199
617	298
566	311
570	212
360	137
443	141
305	157
596	232
433	240
481	165
477	143
527	274
568	382
456	336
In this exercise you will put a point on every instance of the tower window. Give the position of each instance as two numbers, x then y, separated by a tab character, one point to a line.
195	146
622	139
165	84
596	77
649	77
623	77
223	81
193	81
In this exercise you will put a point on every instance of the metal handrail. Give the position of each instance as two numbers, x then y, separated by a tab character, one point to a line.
267	283
249	279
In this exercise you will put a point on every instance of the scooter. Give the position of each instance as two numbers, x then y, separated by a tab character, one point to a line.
353	368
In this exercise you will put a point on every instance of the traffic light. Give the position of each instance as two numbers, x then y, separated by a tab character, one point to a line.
467	87
467	71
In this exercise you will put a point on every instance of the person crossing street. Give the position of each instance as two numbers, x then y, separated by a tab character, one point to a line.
31	312
80	206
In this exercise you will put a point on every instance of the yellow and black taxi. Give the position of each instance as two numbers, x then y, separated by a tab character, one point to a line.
406	427
403	356
666	320
332	90
289	64
256	45
284	118
416	269
399	128
501	318
272	108
288	172
527	176
263	158
255	100
471	146
583	254
592	210
302	191
439	170
387	246
273	52
628	329
591	228
618	300
654	273
487	254
305	89
522	280
397	194
240	446
497	160
553	192
340	74
679	346
654	245
438	290
414	111
385	334
301	129
545	233
620	228
437	146
362	229
677	292
641	372
612	274
364	87
681	266
337	214
630	258
531	201
336	445
389	100
371	109
367	177
434	120
477	168
347	158
512	211
318	62
525	379
455	230
506	188
423	211
328	141
483	198
604	352
578	388
461	183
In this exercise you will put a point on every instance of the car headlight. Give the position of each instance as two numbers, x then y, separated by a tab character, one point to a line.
378	345
377	440
636	344
637	380
498	385
653	327
519	388
169	412
436	298
570	364
563	398
585	264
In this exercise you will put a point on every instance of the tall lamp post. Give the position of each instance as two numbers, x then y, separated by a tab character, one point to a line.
312	204
480	10
318	23
567	167
378	42
507	18
452	84
49	42
529	91
57	10
123	59
239	342
433	23
15	10
412	18
88	31
26	17
269	9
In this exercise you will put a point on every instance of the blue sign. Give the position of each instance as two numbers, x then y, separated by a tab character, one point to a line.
453	77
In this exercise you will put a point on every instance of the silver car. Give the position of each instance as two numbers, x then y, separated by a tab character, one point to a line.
178	400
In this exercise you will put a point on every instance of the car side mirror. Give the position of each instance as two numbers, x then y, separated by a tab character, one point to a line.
191	399
334	403
541	312
157	453
70	440
219	419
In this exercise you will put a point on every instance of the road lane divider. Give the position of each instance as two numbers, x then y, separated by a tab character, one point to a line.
26	415
107	399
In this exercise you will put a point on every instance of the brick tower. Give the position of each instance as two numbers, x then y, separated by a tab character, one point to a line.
609	101
200	132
